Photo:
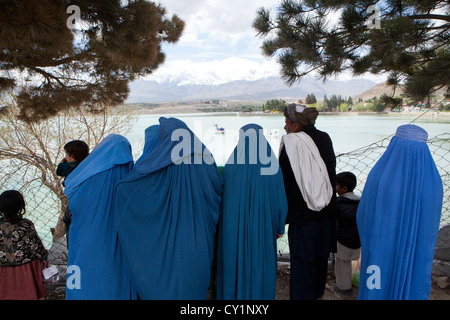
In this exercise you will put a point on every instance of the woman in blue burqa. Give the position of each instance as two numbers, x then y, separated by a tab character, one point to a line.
151	138
95	256
168	209
398	220
253	216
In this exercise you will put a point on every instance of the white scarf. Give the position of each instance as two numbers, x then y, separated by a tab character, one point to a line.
309	169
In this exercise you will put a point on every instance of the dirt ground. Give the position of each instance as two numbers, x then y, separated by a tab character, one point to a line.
437	293
282	293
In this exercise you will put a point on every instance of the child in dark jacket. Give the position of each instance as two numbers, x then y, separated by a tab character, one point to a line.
76	151
348	243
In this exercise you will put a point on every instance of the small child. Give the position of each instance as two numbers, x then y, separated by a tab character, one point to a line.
76	151
348	242
22	254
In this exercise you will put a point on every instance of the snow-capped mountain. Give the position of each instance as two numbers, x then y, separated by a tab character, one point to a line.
183	88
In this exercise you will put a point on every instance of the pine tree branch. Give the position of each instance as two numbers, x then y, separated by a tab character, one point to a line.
429	16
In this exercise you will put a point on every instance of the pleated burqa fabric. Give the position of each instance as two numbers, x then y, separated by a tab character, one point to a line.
151	138
168	210
94	249
253	213
398	220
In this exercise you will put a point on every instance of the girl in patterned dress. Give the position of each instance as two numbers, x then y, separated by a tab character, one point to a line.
22	254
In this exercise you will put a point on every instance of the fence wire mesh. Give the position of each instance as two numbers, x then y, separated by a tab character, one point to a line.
362	160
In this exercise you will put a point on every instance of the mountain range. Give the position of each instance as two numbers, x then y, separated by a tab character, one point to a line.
150	91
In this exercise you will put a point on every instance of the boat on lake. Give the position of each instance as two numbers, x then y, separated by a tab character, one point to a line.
219	130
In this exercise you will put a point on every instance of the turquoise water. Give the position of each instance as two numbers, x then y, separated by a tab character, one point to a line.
348	132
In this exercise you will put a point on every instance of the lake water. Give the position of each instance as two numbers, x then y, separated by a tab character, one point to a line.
348	132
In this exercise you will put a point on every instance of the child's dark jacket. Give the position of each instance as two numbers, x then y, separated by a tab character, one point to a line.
347	230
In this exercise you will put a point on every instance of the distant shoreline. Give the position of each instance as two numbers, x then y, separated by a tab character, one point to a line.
197	111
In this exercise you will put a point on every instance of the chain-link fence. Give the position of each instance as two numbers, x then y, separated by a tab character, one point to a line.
361	161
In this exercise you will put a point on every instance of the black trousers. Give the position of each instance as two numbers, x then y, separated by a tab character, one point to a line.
308	279
309	261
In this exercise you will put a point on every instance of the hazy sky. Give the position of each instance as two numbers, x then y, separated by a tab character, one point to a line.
218	44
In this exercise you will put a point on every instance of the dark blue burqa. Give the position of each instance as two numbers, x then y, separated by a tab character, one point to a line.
94	246
398	220
151	138
168	213
254	211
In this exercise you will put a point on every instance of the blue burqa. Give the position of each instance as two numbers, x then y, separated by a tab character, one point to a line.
151	138
254	212
94	250
398	220
168	209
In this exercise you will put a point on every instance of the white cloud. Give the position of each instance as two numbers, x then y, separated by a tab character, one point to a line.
220	20
218	43
215	71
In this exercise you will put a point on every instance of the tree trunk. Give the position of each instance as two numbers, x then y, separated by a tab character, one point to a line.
60	228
